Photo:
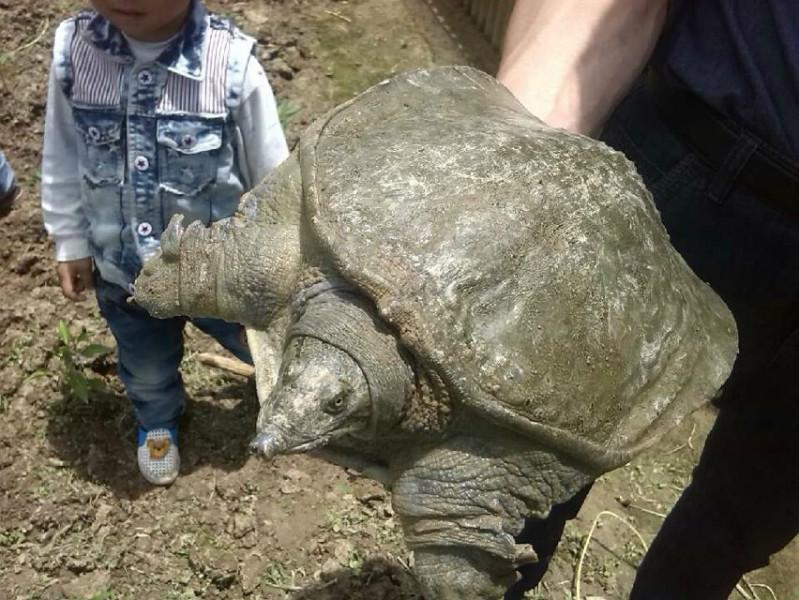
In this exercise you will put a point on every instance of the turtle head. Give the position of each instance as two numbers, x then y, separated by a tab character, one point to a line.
343	374
322	394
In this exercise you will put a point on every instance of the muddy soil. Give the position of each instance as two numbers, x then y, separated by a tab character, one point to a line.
76	520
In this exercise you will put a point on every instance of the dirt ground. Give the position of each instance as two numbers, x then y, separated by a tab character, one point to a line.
76	520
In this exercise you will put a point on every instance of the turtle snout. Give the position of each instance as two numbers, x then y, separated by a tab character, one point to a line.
268	444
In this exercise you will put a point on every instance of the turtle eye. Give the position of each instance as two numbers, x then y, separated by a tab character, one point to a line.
336	404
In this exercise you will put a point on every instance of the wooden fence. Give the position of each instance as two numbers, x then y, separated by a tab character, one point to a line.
491	17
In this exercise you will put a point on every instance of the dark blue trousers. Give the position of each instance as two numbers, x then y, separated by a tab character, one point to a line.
149	352
742	504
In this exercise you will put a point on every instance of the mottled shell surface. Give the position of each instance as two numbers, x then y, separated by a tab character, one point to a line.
526	265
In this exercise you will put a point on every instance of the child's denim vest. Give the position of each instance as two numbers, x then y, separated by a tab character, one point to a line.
154	140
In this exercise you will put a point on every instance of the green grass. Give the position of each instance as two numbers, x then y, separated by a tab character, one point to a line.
107	594
286	111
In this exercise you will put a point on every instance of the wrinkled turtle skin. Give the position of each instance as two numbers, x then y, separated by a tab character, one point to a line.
481	311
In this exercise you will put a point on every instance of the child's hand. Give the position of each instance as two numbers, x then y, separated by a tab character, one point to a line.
75	277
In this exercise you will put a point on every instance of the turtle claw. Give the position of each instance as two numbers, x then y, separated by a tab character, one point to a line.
170	239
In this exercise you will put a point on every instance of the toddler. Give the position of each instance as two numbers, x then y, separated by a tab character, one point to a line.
154	108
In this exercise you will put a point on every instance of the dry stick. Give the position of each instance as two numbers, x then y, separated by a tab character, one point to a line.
7	56
739	588
689	443
339	16
750	588
58	534
33	42
691	437
233	365
647	511
579	571
752	594
405	565
285	588
765	587
297	588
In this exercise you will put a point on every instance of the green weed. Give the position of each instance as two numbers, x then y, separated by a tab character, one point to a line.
104	595
355	561
187	594
16	356
277	575
11	537
286	111
76	352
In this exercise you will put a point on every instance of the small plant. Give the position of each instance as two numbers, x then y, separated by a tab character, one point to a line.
278	576
11	537
355	561
286	111
187	594
76	352
104	595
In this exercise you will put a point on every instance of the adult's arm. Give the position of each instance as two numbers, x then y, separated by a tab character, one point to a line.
571	61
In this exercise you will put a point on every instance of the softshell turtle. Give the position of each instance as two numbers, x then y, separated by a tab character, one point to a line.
482	311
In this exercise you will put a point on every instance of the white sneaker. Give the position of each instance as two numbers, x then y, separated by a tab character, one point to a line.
158	455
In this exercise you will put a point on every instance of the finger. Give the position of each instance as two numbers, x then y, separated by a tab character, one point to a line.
78	286
89	281
86	279
67	281
68	289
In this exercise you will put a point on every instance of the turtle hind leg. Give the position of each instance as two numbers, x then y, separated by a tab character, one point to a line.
460	573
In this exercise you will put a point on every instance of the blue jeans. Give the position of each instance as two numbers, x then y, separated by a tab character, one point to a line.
149	352
742	504
6	176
